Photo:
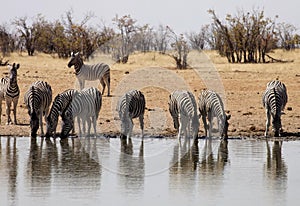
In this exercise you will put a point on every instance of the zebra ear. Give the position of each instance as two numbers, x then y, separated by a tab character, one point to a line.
18	66
228	116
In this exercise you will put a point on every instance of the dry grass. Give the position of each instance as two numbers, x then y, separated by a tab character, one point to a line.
243	84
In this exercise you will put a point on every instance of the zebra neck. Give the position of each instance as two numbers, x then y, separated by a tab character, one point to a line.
78	67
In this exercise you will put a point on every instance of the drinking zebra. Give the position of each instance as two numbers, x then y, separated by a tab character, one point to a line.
93	72
9	90
85	105
210	106
37	100
274	100
131	105
61	101
183	109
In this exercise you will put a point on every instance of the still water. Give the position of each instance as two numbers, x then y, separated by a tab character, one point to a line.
159	171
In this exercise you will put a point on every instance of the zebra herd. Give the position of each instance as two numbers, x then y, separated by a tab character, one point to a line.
85	105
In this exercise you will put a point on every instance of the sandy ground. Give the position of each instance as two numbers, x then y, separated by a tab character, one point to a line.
241	86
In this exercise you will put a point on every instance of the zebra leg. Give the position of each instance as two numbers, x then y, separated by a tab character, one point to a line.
268	113
88	120
79	127
94	124
8	105
130	128
204	124
210	119
141	118
41	123
81	84
102	82
15	111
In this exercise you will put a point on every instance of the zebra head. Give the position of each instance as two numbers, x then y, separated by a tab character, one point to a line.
224	126
67	124
75	59
13	72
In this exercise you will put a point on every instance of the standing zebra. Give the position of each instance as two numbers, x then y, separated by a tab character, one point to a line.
9	90
210	106
37	100
274	100
183	109
61	101
90	72
131	105
85	105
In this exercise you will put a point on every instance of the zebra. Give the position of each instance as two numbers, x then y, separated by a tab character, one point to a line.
9	90
274	100
183	109
85	72
61	101
85	105
210	106
131	105
37	100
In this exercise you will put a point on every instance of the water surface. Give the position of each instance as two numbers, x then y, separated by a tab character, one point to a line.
100	171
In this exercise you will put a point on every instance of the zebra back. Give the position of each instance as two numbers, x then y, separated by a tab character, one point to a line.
132	104
210	101
86	103
38	97
186	103
275	97
274	100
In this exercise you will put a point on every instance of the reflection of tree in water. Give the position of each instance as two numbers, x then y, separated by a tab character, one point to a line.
131	167
276	171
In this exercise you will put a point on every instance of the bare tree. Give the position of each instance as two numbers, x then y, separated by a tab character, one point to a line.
286	33
161	39
181	48
127	29
28	34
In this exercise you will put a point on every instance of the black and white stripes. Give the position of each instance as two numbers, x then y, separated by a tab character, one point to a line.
210	106
85	105
93	72
9	90
60	103
274	100
183	109
37	100
131	105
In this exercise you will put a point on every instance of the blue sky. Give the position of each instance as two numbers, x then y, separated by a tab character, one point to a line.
182	16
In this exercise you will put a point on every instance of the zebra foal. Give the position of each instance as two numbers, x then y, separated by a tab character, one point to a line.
60	103
37	100
183	109
131	105
85	105
93	72
274	100
210	106
9	90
